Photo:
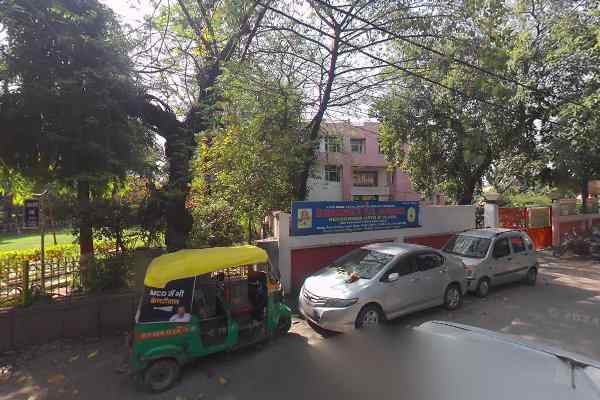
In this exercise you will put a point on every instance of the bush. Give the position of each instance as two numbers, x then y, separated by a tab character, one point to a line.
110	273
16	257
215	225
525	200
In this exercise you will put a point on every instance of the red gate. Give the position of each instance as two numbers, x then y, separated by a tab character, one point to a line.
536	221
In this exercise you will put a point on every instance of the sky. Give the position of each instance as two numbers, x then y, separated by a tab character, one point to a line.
130	11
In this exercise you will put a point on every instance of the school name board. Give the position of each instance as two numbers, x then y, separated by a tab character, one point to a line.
320	217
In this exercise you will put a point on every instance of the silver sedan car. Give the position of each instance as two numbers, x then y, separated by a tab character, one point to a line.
381	281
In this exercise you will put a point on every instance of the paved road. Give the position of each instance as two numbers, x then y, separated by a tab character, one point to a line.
562	310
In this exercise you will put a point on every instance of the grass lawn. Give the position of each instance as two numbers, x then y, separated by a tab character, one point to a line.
9	242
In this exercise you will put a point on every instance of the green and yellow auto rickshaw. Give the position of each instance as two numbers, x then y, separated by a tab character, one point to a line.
202	301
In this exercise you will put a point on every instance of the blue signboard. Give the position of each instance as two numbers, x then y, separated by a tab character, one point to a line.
318	217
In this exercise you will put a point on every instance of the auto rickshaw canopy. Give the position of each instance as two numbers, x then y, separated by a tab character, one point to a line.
193	262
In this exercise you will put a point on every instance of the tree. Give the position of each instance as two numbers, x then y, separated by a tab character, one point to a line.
573	55
516	173
67	83
250	161
456	113
196	39
340	55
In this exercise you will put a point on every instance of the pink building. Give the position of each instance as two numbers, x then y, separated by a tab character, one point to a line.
350	166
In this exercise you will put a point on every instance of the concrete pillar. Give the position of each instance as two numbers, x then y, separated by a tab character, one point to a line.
285	255
491	215
347	179
555	223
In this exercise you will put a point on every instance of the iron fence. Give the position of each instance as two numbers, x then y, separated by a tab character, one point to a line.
22	279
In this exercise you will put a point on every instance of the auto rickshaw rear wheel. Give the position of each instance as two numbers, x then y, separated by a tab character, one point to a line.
161	375
284	324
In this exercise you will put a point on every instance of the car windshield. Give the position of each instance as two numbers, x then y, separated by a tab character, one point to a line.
468	246
366	263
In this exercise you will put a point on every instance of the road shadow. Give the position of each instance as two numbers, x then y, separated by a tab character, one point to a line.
555	312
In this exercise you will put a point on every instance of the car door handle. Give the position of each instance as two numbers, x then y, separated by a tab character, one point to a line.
413	280
509	258
443	270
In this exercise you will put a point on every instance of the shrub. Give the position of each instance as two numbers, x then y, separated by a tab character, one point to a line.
215	224
111	273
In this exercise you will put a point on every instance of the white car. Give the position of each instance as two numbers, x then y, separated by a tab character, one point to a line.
494	256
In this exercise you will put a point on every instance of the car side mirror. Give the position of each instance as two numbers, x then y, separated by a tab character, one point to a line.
394	276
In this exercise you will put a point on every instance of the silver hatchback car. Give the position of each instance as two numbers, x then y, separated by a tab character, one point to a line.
381	281
494	256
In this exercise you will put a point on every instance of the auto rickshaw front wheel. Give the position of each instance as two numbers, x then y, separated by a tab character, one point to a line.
161	375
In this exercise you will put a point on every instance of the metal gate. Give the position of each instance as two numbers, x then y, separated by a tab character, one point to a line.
536	221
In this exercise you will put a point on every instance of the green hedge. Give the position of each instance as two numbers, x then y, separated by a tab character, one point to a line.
16	257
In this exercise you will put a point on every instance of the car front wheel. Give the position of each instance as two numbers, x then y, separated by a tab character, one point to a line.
369	316
453	297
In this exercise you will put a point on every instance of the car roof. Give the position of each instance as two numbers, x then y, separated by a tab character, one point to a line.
395	248
487	233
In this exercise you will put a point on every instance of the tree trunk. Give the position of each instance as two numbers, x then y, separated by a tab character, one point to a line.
301	182
466	198
249	230
178	150
584	194
86	240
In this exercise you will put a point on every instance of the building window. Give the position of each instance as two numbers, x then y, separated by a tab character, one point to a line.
364	178
358	146
333	173
333	144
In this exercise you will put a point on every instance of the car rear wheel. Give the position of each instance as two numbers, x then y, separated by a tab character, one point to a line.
369	316
531	276
483	287
161	375
453	297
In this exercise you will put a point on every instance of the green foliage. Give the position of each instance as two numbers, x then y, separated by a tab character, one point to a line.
118	217
15	258
573	145
215	224
111	273
249	162
561	52
447	137
516	173
14	184
69	76
526	199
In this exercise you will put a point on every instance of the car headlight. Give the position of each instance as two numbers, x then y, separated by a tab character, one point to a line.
339	303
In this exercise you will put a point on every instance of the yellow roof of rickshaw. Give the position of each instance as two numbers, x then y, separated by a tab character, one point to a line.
193	262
